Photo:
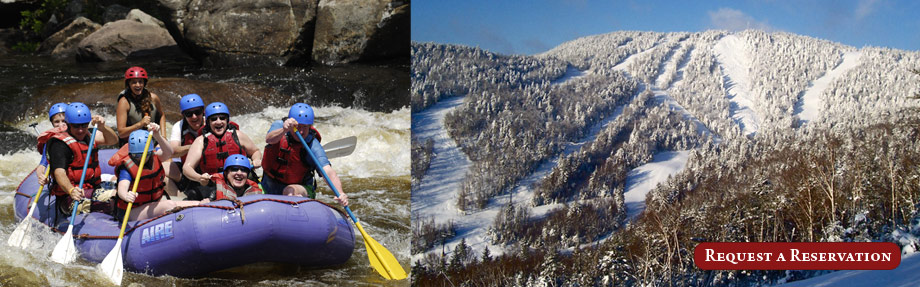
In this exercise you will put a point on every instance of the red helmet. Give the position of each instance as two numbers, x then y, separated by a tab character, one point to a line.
136	73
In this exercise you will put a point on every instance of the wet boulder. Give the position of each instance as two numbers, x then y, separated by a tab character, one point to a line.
350	30
140	16
115	41
329	32
263	27
63	43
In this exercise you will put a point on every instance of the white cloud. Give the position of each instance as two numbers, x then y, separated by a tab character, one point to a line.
865	8
735	20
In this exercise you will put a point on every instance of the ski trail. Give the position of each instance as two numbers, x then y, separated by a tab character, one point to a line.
669	67
809	108
571	74
676	70
624	65
436	193
641	180
735	60
646	177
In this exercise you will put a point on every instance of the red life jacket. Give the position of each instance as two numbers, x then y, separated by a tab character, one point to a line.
216	150
188	136
225	191
150	186
287	161
75	168
47	135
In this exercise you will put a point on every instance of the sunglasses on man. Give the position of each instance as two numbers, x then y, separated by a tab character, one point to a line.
237	168
190	113
79	126
220	117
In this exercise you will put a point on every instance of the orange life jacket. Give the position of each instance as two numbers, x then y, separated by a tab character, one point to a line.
287	161
47	135
225	191
75	168
216	150
150	186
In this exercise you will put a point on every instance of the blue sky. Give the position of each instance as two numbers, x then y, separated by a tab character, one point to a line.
530	27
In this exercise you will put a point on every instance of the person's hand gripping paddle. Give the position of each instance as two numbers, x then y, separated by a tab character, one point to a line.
112	266
66	251
380	258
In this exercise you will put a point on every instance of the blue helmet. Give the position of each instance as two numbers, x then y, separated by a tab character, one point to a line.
237	160
137	140
301	112
190	101
216	108
57	109
77	113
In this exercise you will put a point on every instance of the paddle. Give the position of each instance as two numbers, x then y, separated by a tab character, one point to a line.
18	238
112	265
380	258
66	251
340	147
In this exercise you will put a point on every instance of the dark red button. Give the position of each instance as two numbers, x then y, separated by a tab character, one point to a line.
797	255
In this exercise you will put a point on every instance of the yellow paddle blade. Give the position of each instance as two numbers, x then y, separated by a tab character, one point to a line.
381	258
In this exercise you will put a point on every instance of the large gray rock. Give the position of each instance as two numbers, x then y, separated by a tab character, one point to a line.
116	40
140	16
266	27
349	30
290	30
63	43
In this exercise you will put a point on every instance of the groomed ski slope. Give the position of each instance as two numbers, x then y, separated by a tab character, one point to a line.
646	177
735	60
812	100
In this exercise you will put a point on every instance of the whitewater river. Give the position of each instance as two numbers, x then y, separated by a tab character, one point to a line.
364	101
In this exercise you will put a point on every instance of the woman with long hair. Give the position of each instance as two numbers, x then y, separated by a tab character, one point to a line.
137	107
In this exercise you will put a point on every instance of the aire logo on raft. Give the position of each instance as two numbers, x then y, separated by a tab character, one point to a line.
157	233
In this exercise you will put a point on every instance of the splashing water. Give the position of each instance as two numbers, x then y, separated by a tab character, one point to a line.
375	176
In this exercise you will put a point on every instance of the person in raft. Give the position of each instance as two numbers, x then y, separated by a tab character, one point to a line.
288	169
146	199
58	124
181	138
67	152
136	106
219	139
234	181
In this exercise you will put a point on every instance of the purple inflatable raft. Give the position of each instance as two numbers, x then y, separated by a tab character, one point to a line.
211	237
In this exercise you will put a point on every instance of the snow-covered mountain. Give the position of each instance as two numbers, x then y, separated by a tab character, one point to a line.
630	147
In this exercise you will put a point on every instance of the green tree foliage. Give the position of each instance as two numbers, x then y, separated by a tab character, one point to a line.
35	20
